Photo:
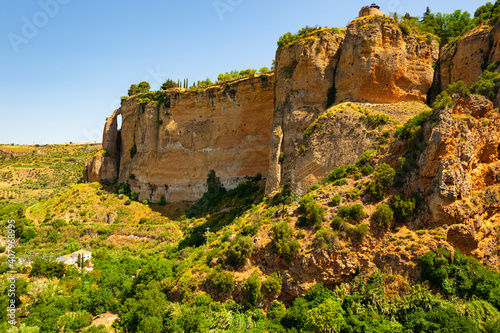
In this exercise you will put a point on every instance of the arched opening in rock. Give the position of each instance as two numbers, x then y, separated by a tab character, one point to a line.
119	122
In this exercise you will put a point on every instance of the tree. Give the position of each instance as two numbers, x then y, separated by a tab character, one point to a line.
132	90
264	70
169	84
327	317
273	283
283	243
486	84
312	212
143	87
252	287
383	179
383	215
239	250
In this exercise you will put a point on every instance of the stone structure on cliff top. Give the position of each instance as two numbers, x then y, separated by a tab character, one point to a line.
374	9
256	125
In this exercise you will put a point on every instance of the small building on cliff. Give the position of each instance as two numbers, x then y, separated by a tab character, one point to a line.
374	9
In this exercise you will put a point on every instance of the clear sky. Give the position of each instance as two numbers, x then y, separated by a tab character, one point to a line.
65	63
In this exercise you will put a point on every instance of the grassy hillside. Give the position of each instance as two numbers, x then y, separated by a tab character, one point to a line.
31	173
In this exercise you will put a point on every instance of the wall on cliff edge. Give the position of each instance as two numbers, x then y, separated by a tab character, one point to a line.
178	143
373	61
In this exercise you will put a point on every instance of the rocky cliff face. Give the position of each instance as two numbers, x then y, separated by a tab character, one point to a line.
304	75
168	150
373	62
458	175
380	64
235	132
467	59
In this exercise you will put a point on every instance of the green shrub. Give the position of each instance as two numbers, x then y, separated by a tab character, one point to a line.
459	88
486	84
53	237
2	249
383	179
351	169
340	182
337	173
337	198
221	281
367	170
127	202
403	207
239	250
283	243
252	287
365	158
250	230
133	151
313	188
354	212
312	212
338	223
264	70
461	276
58	223
143	220
443	101
27	235
358	232
383	215
273	283
374	119
405	29
326	238
277	311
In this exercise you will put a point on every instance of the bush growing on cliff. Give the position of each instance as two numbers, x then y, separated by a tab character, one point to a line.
284	245
273	283
239	250
312	212
354	212
326	238
486	84
252	287
337	173
403	207
133	151
337	198
383	215
383	180
223	282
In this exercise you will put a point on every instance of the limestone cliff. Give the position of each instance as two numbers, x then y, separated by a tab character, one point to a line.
304	75
466	60
168	150
380	64
458	172
374	62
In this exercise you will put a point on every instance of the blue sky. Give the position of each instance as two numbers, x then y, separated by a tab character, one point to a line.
65	63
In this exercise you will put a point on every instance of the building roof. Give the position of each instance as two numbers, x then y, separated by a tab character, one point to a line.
81	252
64	258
